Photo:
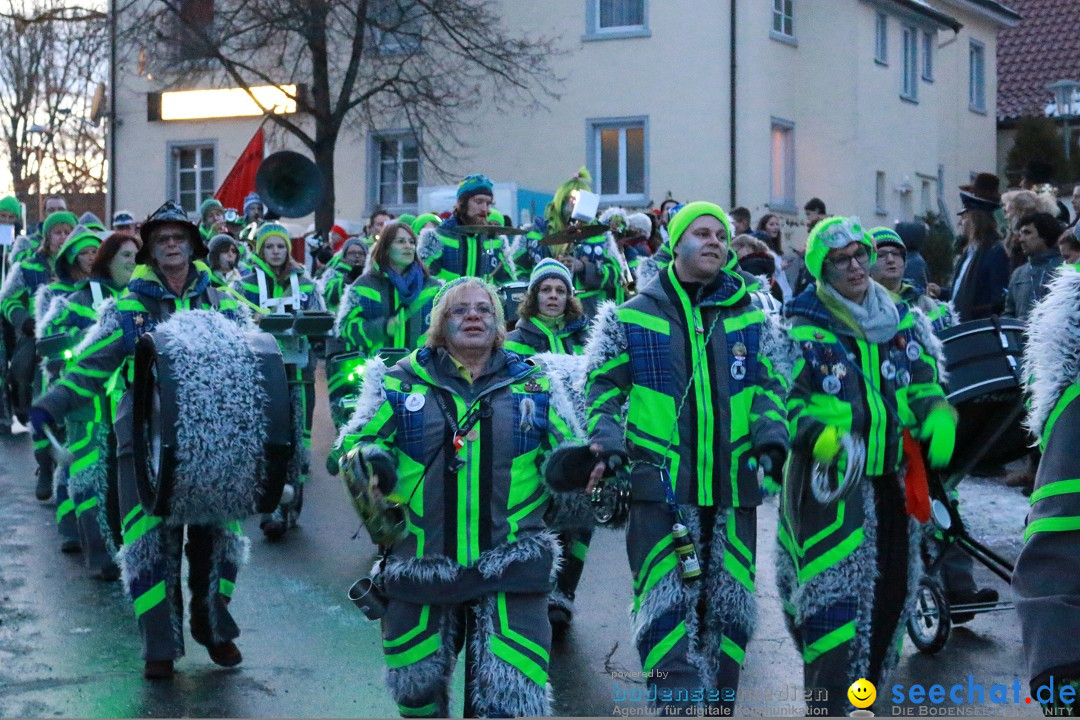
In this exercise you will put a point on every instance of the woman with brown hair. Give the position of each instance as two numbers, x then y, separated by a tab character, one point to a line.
88	428
981	277
550	318
390	303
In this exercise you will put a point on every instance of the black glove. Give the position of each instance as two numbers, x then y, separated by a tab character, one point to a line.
28	327
770	459
613	459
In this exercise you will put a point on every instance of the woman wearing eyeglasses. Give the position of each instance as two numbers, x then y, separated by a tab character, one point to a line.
457	434
867	369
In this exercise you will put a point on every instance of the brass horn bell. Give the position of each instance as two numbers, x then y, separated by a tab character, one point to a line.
289	184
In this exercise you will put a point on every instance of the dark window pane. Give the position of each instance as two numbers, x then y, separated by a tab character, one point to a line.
635	160
187	182
609	162
621	13
206	157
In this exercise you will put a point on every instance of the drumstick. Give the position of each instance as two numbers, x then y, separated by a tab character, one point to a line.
60	454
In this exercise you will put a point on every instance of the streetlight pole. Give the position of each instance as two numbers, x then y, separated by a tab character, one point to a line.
1064	92
42	132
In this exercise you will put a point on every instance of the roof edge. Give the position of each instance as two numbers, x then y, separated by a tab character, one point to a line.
993	9
941	18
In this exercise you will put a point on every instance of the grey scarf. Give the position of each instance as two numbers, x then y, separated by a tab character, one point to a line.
877	316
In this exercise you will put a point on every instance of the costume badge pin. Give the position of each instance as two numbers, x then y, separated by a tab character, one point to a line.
903	378
414	402
738	370
738	350
888	370
831	384
839	370
533	386
913	351
473	435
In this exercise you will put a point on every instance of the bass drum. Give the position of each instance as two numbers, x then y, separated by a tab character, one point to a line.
511	295
983	359
212	435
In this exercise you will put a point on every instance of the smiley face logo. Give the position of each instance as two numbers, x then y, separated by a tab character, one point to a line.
862	693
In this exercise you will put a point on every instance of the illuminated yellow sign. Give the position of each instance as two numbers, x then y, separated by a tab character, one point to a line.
227	103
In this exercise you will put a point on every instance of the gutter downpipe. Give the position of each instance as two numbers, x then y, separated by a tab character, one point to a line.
111	204
732	98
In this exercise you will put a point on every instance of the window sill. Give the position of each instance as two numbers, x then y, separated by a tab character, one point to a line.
928	80
881	63
785	39
881	212
616	34
626	200
909	99
977	110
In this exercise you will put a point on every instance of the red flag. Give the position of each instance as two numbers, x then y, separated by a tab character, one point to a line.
241	179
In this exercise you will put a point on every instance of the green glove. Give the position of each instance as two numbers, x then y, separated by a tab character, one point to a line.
940	429
827	445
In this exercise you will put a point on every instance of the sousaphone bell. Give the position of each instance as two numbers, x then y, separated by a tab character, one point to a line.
289	184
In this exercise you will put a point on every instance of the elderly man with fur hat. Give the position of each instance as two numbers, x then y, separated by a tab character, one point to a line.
169	282
452	253
868	368
457	434
703	371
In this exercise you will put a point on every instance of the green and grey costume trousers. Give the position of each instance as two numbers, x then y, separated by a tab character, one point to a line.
508	641
692	635
150	559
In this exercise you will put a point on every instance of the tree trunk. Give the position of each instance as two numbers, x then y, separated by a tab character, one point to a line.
324	160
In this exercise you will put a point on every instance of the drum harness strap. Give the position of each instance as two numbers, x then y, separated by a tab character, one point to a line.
282	303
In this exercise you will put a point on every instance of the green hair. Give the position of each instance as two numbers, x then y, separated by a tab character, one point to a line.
553	213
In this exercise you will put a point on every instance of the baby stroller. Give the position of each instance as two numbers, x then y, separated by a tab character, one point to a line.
983	360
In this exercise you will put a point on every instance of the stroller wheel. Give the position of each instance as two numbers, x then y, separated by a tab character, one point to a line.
929	624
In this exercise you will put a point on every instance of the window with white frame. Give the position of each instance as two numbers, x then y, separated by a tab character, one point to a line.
192	174
909	89
879	193
783	18
881	39
928	56
782	166
605	19
394	26
394	172
977	76
618	158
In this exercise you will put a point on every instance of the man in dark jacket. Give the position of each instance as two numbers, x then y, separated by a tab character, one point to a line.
169	280
1039	233
704	372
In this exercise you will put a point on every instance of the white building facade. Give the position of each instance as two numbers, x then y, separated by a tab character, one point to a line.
875	106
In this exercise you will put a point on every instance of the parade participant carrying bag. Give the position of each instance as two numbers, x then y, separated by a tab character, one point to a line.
213	434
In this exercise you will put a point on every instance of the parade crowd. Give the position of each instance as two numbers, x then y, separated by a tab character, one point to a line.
500	392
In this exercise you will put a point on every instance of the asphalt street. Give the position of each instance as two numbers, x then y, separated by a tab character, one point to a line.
69	644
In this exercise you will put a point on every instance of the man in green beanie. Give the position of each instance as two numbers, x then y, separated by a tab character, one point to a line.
211	219
454	253
867	370
702	370
11	212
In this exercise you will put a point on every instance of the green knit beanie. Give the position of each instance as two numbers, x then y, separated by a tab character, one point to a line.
11	204
55	219
80	238
209	204
832	234
423	220
269	230
687	214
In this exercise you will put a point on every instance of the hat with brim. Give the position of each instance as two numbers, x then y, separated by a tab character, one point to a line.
971	201
169	213
986	186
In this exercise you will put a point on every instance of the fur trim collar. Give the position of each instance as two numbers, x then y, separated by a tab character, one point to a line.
428	246
1052	354
372	396
56	307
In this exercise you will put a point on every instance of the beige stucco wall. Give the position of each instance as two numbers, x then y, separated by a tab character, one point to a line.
849	119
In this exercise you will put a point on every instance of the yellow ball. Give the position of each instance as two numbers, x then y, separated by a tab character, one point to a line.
827	445
862	693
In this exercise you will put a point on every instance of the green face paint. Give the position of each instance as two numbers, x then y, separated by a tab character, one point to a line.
402	251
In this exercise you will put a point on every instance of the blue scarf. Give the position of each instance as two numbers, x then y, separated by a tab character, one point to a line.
409	285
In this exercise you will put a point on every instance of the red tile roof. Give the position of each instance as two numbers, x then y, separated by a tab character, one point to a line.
1043	48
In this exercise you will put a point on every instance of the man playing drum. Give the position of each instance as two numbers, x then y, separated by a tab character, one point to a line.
169	280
